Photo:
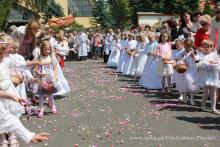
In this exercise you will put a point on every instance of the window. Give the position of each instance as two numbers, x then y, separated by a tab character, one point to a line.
80	7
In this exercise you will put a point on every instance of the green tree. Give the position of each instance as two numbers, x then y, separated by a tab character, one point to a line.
54	9
120	12
163	6
5	8
101	14
207	8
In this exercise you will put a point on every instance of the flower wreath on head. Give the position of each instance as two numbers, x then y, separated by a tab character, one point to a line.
45	38
157	34
180	38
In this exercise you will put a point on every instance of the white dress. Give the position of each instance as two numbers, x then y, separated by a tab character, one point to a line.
164	50
82	42
174	55
62	48
63	84
185	82
107	47
64	87
208	74
115	54
122	54
21	88
10	123
149	78
139	61
6	85
128	59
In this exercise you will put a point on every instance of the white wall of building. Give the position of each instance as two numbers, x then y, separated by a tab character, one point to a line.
152	20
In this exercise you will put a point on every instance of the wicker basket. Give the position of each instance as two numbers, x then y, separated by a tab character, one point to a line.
48	87
130	52
17	80
181	68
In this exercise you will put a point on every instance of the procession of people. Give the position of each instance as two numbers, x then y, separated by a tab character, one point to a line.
182	55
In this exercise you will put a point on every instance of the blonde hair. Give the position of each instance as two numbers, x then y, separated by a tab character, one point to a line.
142	38
60	35
205	19
42	45
189	42
2	49
151	34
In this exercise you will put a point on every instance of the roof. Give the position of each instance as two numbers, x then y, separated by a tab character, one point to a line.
154	13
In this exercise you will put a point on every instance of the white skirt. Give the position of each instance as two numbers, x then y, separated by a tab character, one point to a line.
127	66
63	84
164	69
185	82
21	90
13	107
208	78
121	62
149	78
137	66
113	58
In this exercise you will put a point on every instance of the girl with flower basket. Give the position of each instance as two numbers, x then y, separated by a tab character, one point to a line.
47	78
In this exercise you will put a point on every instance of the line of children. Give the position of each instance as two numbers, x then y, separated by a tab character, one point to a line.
159	69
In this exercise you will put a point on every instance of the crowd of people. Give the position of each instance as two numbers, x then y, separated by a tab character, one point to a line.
182	54
31	73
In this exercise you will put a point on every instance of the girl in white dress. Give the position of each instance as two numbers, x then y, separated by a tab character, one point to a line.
121	62
128	58
13	107
64	87
10	123
140	57
7	86
165	67
185	82
115	52
61	48
149	78
208	76
48	78
19	72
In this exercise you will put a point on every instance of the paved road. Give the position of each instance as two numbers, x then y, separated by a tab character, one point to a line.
106	109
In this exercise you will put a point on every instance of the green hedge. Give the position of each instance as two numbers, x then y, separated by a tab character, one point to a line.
5	7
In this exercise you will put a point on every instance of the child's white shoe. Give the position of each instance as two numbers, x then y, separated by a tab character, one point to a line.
180	98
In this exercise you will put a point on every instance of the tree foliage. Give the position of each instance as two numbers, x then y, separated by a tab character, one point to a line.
5	8
216	1
120	12
54	9
164	6
101	14
207	8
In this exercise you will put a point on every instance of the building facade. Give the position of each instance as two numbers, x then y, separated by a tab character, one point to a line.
23	11
82	11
